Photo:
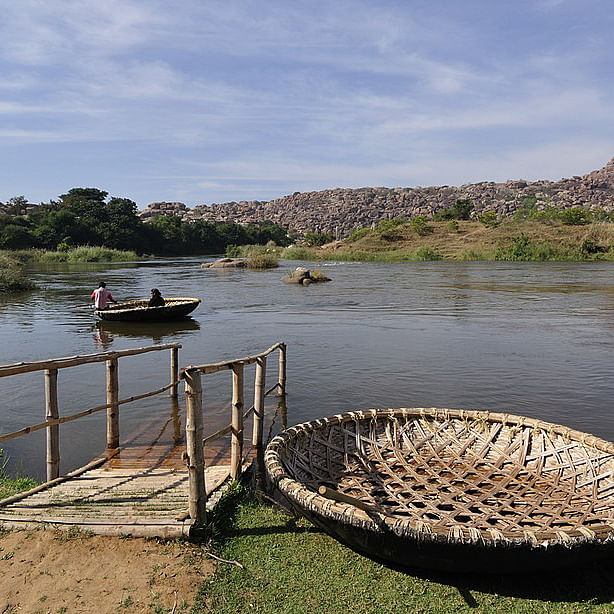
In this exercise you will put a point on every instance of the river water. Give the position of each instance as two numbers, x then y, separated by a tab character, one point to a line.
525	338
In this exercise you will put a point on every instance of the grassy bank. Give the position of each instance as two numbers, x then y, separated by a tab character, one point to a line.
510	239
292	567
77	254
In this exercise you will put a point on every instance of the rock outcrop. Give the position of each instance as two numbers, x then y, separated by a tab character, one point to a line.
340	211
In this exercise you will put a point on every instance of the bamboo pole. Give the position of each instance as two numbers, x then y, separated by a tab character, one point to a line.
259	392
73	361
112	404
282	370
43	425
236	436
53	432
194	448
174	372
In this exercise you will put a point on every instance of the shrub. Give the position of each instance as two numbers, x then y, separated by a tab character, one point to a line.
425	253
359	233
263	261
233	251
460	210
420	226
299	253
523	249
453	226
488	218
385	226
315	239
575	216
12	276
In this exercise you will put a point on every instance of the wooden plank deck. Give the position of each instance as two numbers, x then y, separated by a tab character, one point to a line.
116	501
143	491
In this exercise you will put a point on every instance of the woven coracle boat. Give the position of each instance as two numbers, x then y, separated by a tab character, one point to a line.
139	311
456	490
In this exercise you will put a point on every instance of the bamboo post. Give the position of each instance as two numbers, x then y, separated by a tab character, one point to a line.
194	448
259	391
236	433
282	370
174	372
53	432
112	402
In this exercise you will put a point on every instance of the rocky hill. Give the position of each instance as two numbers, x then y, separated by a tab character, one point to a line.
341	210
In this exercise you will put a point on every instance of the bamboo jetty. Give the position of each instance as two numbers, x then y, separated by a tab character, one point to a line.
137	488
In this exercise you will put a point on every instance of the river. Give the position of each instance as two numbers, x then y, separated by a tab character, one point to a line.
525	338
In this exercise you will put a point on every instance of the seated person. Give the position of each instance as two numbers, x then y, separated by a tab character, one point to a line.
156	299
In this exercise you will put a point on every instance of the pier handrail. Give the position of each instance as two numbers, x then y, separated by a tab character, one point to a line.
52	417
192	376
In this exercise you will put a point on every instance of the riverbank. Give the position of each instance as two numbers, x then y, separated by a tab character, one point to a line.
83	253
292	567
464	240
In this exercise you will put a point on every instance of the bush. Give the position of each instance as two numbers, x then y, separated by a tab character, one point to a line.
420	226
315	239
425	253
359	233
576	216
385	226
233	251
523	249
263	261
488	218
299	253
460	210
12	276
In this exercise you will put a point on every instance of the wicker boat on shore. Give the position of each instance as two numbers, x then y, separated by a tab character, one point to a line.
140	311
454	490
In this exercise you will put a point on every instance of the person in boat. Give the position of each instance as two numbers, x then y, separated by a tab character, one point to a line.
156	299
102	297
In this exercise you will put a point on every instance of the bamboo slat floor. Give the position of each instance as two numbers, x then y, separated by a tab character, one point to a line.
142	491
146	502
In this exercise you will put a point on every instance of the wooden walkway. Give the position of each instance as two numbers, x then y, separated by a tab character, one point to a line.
143	491
142	487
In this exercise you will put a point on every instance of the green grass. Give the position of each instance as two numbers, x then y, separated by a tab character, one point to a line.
262	261
11	486
78	254
293	568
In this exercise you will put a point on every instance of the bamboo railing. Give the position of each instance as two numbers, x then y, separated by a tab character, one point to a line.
52	414
192	377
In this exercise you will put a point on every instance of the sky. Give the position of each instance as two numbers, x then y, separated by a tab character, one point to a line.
201	101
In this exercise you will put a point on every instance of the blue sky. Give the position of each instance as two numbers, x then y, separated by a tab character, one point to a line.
203	101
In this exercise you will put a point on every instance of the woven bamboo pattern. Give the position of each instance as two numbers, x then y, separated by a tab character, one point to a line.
460	476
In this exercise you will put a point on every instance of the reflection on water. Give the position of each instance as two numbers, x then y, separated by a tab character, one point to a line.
527	338
105	332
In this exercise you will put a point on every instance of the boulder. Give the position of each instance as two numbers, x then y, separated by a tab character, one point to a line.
304	277
226	263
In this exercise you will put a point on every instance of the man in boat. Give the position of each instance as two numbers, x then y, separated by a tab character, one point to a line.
102	297
156	299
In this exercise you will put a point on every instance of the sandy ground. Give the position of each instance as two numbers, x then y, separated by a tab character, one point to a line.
48	571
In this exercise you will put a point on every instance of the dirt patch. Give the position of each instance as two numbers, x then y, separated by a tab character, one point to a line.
51	571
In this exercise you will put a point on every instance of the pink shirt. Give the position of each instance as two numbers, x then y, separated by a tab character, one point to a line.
101	297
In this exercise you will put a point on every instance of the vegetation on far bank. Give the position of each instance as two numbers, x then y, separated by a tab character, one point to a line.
84	253
510	239
86	216
291	567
